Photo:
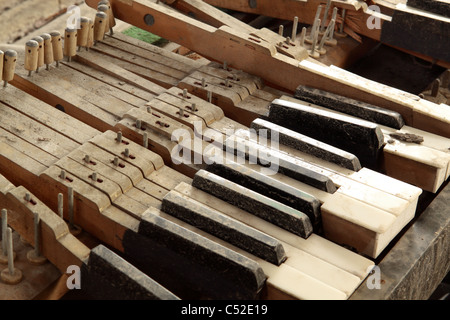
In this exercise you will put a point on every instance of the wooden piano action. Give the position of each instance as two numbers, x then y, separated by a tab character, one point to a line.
261	169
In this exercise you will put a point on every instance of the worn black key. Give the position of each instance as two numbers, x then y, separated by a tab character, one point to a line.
440	7
270	188
277	161
223	227
350	106
362	138
268	209
189	265
307	144
107	276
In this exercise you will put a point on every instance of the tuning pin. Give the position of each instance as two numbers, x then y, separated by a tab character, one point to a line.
70	43
10	275
34	256
112	20
83	33
105	9
31	56
48	50
57	47
99	26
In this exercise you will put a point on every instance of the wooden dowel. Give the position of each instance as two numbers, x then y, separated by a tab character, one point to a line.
48	49
57	47
70	43
40	62
83	33
99	26
9	66
31	56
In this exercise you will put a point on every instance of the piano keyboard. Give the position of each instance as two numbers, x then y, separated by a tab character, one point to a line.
126	140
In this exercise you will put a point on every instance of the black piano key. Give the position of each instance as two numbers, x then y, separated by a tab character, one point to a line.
359	137
270	188
107	276
307	144
189	265
440	7
350	106
224	227
268	209
268	157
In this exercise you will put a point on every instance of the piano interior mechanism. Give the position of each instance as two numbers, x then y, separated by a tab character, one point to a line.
245	158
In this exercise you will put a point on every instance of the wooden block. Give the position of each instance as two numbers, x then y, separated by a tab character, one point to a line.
287	218
223	227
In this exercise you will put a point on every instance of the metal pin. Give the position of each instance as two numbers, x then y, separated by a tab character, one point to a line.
127	152
302	37
225	65
194	107
209	96
119	136
203	82
149	109
10	251
294	29
330	27
36	235
288	40
116	161
227	82
63	174
281	30
341	28
310	38
94	176
234	77
145	140
184	93
181	112
435	87
87	159
27	197
325	16
4	230
312	52
61	205
70	204
138	124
